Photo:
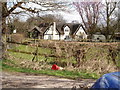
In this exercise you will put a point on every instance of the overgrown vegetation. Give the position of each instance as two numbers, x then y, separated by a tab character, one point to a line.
74	57
11	66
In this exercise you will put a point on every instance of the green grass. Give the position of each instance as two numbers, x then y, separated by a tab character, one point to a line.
65	74
27	48
93	53
21	55
0	65
24	56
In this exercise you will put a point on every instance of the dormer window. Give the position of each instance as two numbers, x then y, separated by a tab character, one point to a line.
66	29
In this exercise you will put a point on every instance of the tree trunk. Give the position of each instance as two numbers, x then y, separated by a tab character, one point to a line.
4	38
0	31
4	29
108	21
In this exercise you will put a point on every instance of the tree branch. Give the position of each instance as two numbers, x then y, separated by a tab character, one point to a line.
28	9
14	7
114	6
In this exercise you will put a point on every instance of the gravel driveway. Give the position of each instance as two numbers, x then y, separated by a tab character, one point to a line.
22	80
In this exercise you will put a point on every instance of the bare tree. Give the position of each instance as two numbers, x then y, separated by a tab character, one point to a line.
44	19
89	13
7	10
118	15
108	13
53	18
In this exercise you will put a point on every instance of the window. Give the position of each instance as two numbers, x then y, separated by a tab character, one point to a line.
67	37
66	29
80	37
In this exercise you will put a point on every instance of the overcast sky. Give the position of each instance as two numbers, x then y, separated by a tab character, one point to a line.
73	15
70	16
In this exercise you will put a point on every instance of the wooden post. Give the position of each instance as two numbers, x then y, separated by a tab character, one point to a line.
36	51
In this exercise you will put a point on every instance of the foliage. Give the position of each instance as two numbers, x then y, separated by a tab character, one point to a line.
30	48
8	9
82	56
66	74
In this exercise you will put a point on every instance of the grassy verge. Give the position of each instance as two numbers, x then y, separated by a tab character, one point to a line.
18	55
0	65
91	58
31	49
65	74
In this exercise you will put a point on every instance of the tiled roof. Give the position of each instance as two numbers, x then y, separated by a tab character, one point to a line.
60	27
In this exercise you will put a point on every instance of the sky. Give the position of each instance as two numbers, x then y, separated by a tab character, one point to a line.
70	16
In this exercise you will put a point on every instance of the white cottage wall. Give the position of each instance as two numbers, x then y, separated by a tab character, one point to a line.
62	37
49	37
82	33
51	34
66	32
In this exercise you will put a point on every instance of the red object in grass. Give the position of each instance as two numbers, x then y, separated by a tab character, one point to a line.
55	67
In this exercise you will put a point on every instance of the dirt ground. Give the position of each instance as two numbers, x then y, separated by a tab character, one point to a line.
22	80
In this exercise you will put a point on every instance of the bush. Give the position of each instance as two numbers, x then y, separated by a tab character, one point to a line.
17	38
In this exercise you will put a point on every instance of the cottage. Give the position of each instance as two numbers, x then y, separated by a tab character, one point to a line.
38	31
71	31
80	32
54	31
66	33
